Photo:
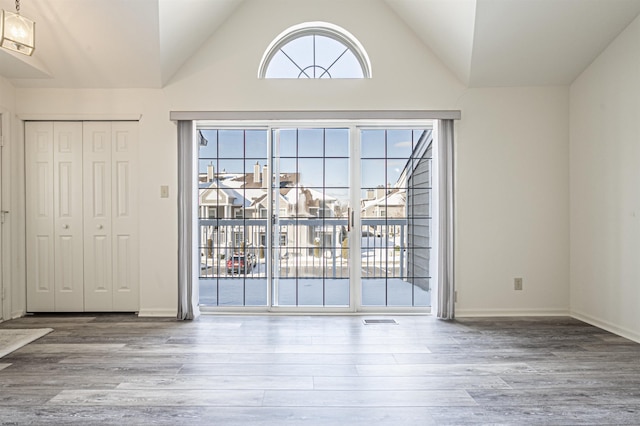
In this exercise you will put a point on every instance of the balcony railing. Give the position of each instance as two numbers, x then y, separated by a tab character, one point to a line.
307	247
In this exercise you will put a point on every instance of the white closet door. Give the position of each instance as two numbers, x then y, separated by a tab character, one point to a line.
110	216
124	220
39	222
97	216
67	225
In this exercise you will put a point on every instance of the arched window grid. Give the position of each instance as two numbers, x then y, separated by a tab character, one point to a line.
316	29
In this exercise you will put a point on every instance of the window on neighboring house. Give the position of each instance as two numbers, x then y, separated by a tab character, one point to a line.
315	50
263	213
283	239
238	239
239	213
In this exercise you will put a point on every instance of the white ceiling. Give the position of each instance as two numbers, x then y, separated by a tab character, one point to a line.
143	43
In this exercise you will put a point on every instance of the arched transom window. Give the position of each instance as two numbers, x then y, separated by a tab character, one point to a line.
315	50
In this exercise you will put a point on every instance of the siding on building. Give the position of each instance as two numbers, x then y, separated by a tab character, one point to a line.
419	220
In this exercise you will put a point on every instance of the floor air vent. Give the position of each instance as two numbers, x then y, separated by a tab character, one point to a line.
379	321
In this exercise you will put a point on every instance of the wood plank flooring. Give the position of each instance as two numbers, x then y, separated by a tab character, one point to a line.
319	370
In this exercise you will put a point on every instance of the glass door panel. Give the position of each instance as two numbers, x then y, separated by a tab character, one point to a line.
395	168
311	205
232	216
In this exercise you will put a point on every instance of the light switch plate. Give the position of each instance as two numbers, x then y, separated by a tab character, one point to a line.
164	191
517	283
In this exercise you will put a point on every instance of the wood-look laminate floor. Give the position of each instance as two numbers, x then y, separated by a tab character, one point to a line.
319	370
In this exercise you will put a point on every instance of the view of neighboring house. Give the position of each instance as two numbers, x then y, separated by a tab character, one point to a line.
239	202
233	213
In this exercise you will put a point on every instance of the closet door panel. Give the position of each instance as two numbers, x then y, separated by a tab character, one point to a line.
39	221
97	216
67	206
126	286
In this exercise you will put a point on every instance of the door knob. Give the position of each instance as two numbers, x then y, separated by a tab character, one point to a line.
65	226
99	226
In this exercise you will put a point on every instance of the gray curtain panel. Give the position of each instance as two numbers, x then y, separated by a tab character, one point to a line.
187	291
446	287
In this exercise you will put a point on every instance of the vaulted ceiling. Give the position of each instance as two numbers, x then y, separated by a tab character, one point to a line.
142	43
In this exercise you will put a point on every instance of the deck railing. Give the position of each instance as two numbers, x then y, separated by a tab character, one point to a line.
304	247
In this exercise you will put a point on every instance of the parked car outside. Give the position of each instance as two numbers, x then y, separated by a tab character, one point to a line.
241	263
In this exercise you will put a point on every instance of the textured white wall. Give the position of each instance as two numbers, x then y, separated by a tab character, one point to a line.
605	191
512	146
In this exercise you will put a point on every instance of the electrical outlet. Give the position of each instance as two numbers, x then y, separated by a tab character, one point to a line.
455	297
517	283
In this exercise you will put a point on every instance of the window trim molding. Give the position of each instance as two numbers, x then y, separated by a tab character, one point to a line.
262	118
316	28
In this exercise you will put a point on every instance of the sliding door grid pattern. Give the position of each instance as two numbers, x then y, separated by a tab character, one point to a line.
302	197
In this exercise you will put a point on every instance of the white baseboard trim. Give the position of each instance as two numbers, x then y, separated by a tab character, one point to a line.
608	326
158	313
18	314
461	313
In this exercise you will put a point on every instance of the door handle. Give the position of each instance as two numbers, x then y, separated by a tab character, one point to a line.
99	226
348	219
65	226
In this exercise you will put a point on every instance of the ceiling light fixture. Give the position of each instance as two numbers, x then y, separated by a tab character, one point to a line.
17	33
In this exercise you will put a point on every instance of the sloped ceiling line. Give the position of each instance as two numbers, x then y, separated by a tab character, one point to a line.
143	43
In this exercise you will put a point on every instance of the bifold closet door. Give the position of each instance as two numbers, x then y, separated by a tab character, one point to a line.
54	216
110	216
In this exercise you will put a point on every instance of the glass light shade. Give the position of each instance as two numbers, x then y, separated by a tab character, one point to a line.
17	33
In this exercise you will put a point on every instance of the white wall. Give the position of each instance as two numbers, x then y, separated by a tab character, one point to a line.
605	188
12	305
512	177
512	211
222	75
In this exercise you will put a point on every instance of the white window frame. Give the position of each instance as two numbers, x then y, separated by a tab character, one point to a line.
316	28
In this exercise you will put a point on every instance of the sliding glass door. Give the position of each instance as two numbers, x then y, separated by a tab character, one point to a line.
311	205
395	217
315	218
